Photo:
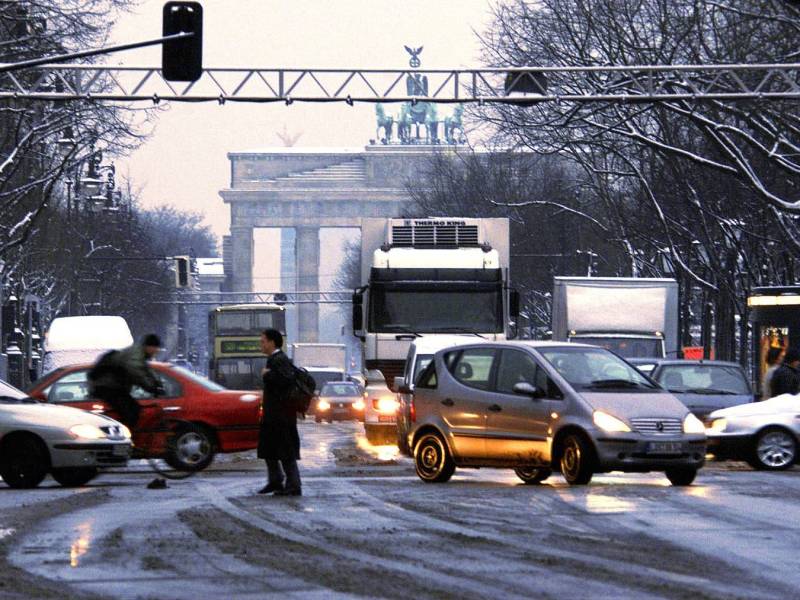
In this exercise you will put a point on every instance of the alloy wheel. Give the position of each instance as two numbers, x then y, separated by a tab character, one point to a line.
776	449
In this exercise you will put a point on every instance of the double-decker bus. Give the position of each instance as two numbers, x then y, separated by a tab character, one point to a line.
235	342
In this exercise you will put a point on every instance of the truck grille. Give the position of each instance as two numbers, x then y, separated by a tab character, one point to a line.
656	426
435	235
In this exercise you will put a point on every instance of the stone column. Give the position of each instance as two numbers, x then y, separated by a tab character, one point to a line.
307	257
242	251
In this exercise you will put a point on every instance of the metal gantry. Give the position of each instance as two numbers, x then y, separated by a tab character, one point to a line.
638	83
190	297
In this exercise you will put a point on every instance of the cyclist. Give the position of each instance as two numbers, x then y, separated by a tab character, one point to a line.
116	372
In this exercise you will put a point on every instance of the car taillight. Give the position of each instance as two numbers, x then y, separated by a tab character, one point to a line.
412	410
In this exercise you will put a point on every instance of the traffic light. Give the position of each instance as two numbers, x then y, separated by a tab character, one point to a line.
182	60
182	272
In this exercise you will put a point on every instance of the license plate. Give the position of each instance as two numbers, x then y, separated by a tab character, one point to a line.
120	450
665	448
385	418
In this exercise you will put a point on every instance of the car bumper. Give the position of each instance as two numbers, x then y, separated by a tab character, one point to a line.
339	414
90	454
648	454
380	420
734	447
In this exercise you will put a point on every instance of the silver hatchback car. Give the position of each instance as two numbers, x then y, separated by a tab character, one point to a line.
543	406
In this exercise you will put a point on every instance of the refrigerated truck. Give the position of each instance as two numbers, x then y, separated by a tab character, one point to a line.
635	317
429	277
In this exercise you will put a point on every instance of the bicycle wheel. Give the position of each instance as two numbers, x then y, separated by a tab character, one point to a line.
160	466
166	464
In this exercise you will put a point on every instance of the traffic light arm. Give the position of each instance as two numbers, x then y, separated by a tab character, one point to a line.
50	60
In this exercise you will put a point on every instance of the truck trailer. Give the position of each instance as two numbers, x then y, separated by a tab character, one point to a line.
634	317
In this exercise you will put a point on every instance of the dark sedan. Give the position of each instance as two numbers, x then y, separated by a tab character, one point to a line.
340	401
702	385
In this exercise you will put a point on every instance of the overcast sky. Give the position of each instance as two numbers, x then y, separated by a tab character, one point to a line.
185	163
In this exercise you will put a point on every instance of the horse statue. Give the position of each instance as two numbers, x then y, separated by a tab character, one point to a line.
384	121
454	127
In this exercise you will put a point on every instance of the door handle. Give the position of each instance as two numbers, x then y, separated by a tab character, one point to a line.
495	408
171	408
448	402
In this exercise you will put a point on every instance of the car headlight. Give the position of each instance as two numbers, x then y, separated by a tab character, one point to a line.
692	424
126	433
323	405
87	432
358	405
387	405
718	425
608	423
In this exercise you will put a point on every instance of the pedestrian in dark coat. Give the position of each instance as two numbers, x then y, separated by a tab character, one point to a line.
786	379
279	441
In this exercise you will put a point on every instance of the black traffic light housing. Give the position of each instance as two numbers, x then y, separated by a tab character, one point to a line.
182	272
182	60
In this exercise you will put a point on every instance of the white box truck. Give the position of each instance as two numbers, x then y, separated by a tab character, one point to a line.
429	277
73	340
634	317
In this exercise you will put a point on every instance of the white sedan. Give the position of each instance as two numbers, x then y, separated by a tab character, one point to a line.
70	444
380	410
764	434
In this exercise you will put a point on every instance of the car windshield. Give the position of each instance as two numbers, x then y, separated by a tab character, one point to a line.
595	369
703	379
339	389
206	383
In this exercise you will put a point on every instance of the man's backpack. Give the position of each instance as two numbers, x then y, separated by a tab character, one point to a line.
303	390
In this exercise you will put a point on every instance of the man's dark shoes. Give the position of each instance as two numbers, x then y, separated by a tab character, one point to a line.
289	492
271	487
157	484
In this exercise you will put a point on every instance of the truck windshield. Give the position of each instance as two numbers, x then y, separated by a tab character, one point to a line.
429	311
595	369
627	347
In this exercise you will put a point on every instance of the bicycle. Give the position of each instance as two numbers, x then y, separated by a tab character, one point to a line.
174	448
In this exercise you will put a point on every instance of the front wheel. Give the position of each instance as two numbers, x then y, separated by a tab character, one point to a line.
25	463
681	475
189	448
533	475
432	459
74	477
576	460
775	450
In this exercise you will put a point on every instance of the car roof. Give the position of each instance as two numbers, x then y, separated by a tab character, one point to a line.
683	362
428	344
534	344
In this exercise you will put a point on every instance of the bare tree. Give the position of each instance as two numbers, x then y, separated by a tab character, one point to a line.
698	189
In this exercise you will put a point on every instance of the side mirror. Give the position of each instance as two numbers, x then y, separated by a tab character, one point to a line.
526	389
358	314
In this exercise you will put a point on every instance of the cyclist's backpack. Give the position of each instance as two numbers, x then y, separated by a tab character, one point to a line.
302	390
106	365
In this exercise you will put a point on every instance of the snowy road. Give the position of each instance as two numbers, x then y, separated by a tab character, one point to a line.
367	527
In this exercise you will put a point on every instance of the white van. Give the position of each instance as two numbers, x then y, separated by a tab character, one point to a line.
74	340
420	353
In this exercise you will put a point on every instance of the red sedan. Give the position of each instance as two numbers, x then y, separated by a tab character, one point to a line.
217	419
